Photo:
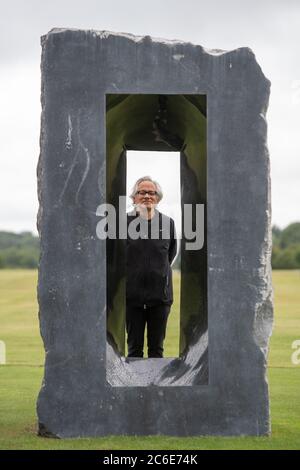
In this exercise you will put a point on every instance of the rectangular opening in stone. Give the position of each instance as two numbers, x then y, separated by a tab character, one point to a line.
159	123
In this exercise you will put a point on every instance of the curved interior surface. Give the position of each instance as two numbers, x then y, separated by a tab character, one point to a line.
158	123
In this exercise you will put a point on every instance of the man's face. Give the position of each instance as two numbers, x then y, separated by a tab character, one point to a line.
142	198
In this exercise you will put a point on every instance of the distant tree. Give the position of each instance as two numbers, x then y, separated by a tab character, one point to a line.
275	253
276	235
297	256
286	247
19	250
286	259
290	235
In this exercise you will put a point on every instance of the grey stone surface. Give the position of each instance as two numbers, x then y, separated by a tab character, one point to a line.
79	68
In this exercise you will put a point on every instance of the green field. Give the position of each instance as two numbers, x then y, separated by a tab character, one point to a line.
20	378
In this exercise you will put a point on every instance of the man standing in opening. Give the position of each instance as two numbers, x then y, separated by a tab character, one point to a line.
151	248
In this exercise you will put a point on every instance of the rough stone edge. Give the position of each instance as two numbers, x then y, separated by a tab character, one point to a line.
263	321
43	432
104	34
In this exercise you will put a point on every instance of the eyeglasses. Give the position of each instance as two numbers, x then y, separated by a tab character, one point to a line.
143	193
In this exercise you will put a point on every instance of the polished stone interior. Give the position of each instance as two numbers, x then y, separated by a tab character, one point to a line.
173	123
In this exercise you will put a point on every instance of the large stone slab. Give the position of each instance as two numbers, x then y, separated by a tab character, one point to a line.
89	389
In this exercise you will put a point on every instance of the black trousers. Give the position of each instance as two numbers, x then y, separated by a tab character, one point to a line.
156	319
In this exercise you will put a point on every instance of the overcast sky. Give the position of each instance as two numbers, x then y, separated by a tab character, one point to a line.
271	28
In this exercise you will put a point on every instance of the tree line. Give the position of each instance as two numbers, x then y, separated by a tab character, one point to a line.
21	250
286	247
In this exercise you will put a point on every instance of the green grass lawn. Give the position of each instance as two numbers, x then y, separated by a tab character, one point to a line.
21	377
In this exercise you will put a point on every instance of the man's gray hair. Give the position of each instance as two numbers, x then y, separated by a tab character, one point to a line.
147	178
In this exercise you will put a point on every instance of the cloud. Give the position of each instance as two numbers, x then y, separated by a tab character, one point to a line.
19	146
269	27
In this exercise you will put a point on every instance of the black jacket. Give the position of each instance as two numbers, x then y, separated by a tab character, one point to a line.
148	262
